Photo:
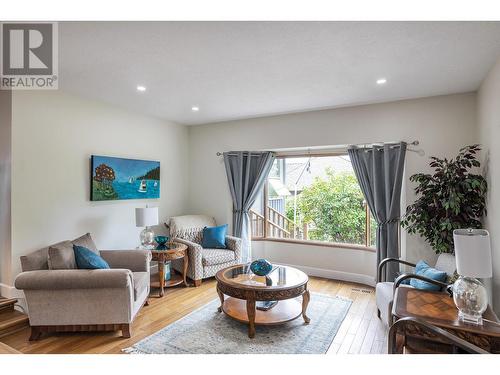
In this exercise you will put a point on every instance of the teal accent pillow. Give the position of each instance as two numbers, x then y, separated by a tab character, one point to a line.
88	260
423	269
214	237
405	281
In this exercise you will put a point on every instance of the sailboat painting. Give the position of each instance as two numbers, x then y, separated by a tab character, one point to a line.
118	178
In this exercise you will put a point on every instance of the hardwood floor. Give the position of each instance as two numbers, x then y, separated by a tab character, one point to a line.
360	332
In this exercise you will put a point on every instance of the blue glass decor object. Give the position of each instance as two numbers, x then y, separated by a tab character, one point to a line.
168	271
261	267
161	241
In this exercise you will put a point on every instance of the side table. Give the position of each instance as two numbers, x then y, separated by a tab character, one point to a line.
438	309
174	251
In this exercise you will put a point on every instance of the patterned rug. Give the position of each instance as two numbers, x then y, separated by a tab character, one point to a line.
206	331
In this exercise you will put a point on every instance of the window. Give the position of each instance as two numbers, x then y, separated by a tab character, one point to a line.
313	198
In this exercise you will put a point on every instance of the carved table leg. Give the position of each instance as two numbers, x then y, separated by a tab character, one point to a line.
161	275
251	317
185	268
305	301
221	297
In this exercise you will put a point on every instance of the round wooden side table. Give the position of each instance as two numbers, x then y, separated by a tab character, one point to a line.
174	251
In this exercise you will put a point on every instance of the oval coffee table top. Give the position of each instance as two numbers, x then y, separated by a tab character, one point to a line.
281	277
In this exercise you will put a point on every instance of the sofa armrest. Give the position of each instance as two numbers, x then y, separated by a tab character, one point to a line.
134	260
234	243
195	253
74	279
407	276
384	262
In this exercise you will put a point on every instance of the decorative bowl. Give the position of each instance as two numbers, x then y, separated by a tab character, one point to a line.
261	267
161	240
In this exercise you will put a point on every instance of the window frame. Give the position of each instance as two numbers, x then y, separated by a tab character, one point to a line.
265	237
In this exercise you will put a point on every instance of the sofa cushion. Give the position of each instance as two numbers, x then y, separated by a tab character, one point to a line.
384	295
37	260
447	263
216	256
190	227
61	256
86	259
141	282
214	237
86	241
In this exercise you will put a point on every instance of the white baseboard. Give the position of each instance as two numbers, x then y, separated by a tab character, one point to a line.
336	275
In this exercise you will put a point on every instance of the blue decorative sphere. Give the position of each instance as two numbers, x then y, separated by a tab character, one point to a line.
261	267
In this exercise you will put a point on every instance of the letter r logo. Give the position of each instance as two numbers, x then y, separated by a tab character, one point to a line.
27	49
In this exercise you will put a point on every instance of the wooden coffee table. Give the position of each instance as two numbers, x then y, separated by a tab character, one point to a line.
244	288
175	251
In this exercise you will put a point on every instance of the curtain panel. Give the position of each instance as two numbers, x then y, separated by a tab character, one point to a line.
379	170
246	172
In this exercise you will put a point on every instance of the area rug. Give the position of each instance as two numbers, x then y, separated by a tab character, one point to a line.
206	331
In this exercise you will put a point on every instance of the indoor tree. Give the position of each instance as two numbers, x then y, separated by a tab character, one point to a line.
453	197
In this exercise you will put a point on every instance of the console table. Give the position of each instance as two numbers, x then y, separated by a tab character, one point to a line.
438	309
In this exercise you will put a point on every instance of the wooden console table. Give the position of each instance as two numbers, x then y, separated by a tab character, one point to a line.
175	251
438	309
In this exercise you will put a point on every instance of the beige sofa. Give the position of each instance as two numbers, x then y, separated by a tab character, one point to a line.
61	300
203	263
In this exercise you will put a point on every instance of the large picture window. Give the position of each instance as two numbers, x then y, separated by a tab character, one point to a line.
313	198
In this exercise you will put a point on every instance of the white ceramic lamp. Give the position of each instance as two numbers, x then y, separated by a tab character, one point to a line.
473	256
146	217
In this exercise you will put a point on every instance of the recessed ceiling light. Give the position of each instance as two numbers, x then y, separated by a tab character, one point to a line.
381	81
141	88
195	109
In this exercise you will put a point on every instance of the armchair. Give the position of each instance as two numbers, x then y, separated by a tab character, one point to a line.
203	263
72	300
384	291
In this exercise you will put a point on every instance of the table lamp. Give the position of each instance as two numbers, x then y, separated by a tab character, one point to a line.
146	217
473	257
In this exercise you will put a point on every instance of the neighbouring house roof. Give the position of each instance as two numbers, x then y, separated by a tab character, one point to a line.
317	168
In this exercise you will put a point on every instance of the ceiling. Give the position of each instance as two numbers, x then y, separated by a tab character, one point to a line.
234	70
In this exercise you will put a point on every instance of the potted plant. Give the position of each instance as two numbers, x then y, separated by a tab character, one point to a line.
453	197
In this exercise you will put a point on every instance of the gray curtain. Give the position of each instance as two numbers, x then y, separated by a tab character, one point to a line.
246	173
379	170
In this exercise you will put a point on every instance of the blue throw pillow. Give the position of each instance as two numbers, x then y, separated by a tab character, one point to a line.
423	269
214	237
405	281
88	260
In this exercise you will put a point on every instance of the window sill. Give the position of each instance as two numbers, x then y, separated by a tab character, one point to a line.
318	243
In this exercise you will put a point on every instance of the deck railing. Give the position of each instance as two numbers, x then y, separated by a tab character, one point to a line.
278	225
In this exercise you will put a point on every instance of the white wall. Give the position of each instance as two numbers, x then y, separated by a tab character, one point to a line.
5	180
489	128
53	136
442	124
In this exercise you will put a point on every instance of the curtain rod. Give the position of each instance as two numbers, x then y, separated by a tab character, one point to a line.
309	151
368	146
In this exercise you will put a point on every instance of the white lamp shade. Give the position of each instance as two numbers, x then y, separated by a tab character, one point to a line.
146	217
473	252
